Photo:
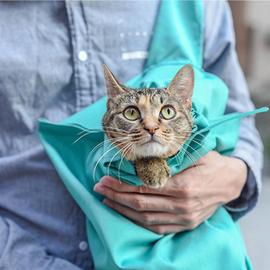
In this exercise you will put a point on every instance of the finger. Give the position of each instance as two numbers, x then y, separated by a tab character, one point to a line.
139	202
194	223
123	187
160	222
208	213
165	229
123	210
150	202
175	187
144	218
175	228
194	219
203	159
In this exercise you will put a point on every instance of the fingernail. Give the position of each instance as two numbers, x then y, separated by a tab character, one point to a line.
98	188
105	180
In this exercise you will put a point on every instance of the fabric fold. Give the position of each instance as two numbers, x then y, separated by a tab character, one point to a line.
81	154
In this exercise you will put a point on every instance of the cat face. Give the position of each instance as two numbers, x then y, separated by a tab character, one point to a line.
149	122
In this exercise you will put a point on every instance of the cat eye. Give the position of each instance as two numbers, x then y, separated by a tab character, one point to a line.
131	113
168	112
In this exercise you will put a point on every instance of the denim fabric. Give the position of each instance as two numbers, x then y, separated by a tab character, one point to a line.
51	56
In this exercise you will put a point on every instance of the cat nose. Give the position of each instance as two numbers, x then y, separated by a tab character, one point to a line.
151	129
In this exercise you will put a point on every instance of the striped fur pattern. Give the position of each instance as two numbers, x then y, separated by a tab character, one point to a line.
149	125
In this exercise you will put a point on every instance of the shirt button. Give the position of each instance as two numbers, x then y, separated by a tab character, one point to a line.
83	56
83	246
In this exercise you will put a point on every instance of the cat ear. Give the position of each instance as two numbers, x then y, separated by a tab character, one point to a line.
114	88
182	84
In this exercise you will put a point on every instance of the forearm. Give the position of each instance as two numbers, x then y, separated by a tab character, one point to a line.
249	148
18	250
221	59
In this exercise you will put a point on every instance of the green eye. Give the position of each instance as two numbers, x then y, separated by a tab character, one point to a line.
168	112
131	113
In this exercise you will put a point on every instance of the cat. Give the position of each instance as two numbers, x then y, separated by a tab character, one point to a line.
149	125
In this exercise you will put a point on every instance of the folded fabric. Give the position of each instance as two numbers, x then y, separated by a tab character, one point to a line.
81	155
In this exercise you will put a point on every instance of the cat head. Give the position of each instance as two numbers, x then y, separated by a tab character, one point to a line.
150	122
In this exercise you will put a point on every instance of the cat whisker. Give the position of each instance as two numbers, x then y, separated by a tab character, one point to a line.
108	169
102	156
191	158
201	135
101	143
111	160
86	130
185	143
82	131
126	149
85	134
198	154
188	154
198	143
193	149
183	137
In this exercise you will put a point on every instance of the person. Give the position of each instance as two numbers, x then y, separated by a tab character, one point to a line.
51	66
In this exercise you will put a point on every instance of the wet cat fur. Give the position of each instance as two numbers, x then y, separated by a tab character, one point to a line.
149	125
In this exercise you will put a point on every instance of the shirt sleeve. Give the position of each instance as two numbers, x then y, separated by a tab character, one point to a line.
221	59
18	250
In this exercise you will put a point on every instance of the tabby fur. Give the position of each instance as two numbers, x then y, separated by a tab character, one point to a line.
135	122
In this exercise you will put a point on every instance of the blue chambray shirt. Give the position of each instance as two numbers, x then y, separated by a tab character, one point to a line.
51	56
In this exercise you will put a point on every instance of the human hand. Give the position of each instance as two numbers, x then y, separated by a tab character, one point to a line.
187	199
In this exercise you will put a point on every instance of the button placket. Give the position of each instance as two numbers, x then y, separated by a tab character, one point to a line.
83	56
80	45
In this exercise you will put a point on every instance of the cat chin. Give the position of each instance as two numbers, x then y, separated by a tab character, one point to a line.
151	149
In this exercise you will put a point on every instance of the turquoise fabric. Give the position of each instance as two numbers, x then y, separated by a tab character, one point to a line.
81	156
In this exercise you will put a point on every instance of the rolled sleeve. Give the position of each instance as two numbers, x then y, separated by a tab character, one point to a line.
221	59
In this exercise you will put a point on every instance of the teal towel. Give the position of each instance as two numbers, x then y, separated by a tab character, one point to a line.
118	243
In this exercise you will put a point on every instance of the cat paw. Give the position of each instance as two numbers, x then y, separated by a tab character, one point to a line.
154	172
156	183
